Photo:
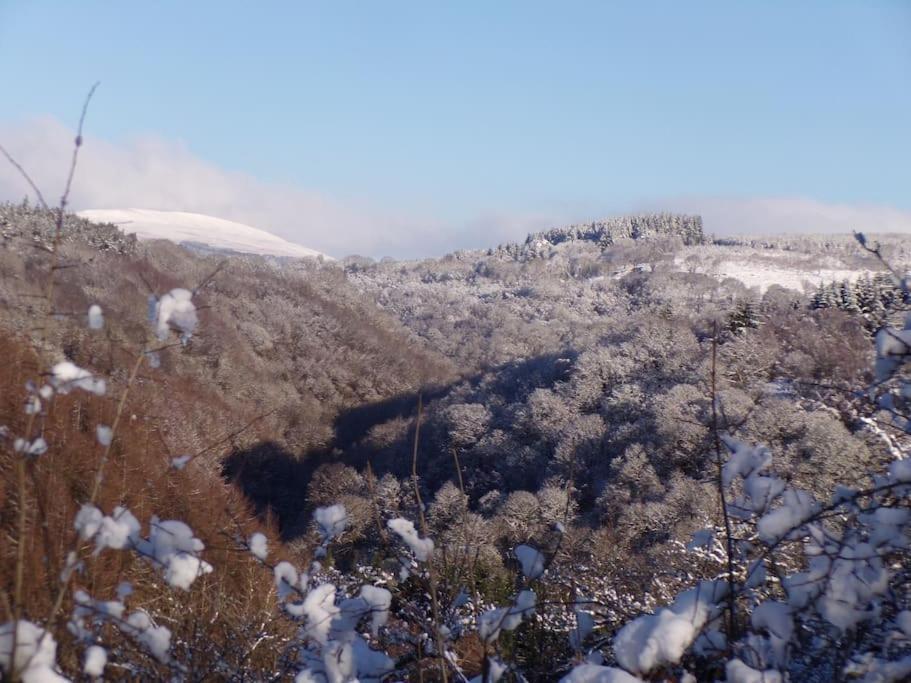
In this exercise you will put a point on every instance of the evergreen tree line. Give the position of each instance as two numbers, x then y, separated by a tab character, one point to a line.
872	297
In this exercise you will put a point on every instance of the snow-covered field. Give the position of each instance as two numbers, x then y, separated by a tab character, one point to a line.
764	268
763	275
182	227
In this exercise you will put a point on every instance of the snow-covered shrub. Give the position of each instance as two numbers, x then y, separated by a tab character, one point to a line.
176	311
809	581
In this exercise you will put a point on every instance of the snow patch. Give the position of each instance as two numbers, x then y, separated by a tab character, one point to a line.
192	228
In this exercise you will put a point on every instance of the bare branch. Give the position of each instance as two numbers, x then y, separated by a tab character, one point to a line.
26	176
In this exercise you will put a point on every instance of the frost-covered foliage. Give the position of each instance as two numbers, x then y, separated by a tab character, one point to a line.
607	232
174	311
66	376
531	560
34	653
31	223
870	297
421	547
95	317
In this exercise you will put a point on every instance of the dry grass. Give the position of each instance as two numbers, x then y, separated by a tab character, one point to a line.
224	614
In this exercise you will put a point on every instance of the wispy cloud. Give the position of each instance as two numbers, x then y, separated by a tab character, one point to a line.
151	172
771	215
154	173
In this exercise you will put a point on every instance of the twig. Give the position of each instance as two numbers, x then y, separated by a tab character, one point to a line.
15	164
77	144
99	474
729	536
206	280
877	252
437	636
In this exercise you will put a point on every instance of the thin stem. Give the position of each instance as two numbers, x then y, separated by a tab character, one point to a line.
20	545
471	564
729	536
374	505
437	636
99	474
15	164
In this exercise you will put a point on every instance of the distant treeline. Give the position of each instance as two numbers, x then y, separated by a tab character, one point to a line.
610	231
870	296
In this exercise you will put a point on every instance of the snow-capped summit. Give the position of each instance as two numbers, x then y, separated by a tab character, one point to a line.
182	227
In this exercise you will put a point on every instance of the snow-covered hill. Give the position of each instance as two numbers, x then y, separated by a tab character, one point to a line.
193	228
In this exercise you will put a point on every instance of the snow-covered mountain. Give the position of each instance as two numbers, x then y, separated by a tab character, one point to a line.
193	228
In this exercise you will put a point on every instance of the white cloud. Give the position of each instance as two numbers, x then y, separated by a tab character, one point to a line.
151	172
154	173
773	215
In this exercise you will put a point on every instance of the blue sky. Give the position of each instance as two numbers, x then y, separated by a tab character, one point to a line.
419	127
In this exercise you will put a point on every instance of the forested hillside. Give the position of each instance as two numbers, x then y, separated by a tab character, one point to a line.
492	465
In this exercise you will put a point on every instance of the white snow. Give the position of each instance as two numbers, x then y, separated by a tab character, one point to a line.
421	547
35	656
744	461
738	672
495	673
378	600
585	624
332	520
96	318
180	461
88	521
286	578
174	548
900	471
775	617
319	609
32	405
118	530
654	640
491	622
701	539
798	506
761	275
594	673
36	447
183	227
156	638
67	375
96	657
183	569
532	561
259	545
175	310
762	268
892	345
104	434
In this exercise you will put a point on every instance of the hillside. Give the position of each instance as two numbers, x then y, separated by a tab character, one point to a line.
198	230
291	340
567	390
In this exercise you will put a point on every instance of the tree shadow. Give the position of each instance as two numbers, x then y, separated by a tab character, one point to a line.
275	480
352	425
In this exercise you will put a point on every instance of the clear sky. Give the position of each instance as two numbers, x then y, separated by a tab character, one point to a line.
419	127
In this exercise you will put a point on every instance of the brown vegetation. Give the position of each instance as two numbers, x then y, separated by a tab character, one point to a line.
222	618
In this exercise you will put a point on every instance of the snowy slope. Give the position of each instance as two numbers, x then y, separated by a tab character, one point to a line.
761	268
763	275
182	227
